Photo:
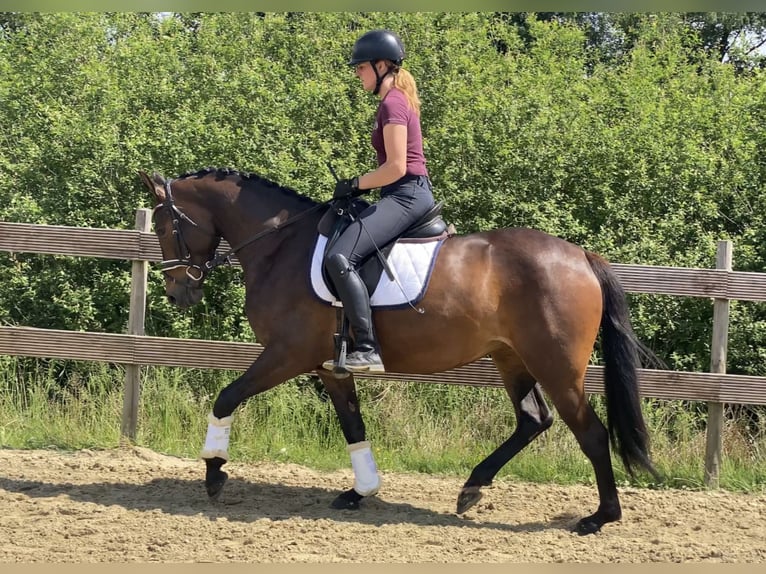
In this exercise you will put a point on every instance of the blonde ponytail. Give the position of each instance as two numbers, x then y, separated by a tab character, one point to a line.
406	83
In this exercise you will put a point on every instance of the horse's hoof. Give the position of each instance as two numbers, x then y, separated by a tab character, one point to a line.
588	526
593	523
215	487
469	496
348	500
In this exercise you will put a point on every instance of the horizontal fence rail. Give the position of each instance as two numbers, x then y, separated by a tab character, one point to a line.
83	242
138	245
206	354
136	349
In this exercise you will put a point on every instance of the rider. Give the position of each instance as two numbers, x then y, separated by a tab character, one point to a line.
405	189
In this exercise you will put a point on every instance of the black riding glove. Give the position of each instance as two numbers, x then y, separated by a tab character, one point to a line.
346	187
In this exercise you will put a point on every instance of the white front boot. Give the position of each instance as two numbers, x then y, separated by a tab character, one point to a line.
217	439
366	477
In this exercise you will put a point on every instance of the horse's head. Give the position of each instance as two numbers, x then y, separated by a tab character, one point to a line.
187	235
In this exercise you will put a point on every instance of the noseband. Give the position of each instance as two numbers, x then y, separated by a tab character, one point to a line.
193	271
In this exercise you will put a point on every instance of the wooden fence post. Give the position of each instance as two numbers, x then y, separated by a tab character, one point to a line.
136	322
714	439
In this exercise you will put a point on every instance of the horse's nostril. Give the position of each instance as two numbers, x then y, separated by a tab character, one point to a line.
172	299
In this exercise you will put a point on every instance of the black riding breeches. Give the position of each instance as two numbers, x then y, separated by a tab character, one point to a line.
401	204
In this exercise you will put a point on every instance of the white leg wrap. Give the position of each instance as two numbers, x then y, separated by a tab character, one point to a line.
366	477
217	439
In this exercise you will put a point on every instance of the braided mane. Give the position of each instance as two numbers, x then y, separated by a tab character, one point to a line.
248	179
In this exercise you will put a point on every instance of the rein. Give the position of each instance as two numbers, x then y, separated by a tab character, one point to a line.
220	258
224	258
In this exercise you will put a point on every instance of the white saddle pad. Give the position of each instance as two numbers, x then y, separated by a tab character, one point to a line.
411	261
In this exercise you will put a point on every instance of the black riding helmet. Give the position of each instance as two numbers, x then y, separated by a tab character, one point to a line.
377	45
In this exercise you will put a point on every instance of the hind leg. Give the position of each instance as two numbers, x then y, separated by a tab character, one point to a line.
532	418
578	414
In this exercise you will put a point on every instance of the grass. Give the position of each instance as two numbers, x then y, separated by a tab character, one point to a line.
438	429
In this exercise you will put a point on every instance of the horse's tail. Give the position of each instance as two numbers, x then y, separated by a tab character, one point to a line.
622	350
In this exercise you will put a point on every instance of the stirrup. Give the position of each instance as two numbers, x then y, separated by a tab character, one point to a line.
338	370
337	365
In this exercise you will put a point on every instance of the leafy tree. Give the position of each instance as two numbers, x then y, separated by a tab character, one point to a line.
735	37
629	134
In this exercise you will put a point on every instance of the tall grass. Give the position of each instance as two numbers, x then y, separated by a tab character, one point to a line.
430	428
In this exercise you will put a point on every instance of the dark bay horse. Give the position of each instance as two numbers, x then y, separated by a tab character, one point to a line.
532	302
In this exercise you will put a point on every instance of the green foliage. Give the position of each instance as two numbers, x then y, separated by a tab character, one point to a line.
626	134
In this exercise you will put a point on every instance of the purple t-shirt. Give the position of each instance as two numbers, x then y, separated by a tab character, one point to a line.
394	109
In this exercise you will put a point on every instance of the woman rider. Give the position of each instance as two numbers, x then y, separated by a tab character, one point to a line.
401	175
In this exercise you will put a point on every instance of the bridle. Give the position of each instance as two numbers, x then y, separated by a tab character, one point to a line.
193	271
184	258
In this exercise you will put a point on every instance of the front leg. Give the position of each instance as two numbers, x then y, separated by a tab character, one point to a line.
270	369
366	477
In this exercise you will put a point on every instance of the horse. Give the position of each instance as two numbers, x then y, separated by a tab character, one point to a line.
533	302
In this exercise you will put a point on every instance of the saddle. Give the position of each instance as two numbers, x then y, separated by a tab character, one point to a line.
340	216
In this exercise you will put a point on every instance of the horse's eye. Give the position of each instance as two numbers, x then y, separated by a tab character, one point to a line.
160	231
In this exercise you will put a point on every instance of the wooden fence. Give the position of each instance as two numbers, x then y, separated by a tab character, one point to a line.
134	349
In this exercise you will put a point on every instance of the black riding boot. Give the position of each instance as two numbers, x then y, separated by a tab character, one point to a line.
356	304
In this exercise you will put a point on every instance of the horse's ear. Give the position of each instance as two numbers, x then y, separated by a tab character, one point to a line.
156	184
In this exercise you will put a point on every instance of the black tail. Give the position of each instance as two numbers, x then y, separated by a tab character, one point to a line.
621	349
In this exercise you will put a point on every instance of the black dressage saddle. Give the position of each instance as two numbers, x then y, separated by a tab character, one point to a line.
342	213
